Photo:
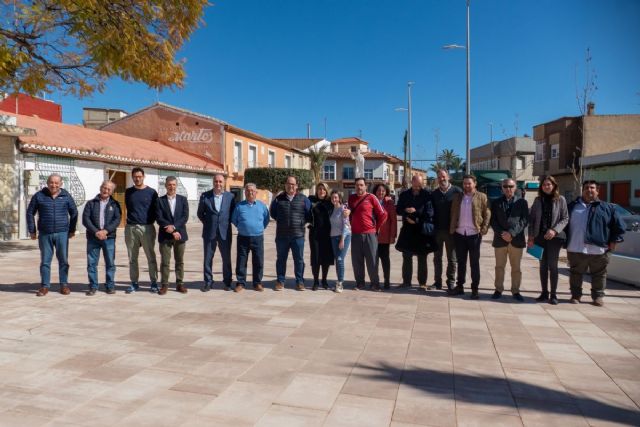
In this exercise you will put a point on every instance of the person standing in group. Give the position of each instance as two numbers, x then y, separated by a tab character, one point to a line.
387	232
470	216
509	219
367	216
547	220
101	218
214	211
173	215
412	204
291	210
441	198
57	218
594	230
320	235
251	218
140	201
340	235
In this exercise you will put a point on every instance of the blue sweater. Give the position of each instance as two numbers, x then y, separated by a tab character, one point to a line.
250	219
141	205
54	215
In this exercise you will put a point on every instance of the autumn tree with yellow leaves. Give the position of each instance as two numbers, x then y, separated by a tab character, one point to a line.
74	46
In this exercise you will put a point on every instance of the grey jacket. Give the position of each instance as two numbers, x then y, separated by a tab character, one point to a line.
559	216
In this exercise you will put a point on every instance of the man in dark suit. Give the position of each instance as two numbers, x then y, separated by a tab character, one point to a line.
172	214
214	210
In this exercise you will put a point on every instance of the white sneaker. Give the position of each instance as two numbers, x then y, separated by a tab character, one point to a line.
338	288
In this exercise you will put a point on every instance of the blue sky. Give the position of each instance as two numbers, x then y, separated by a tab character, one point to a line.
273	66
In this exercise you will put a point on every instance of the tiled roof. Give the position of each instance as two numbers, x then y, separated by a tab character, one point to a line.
299	143
349	140
75	141
367	155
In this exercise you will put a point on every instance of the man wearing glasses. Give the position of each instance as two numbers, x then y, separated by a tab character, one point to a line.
509	219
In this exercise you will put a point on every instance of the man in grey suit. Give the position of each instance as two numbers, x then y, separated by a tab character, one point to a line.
214	211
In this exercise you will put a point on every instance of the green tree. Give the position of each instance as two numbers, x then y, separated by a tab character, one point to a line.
457	164
272	179
435	167
447	157
317	156
74	46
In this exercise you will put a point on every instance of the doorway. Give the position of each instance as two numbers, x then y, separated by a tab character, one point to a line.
120	179
621	193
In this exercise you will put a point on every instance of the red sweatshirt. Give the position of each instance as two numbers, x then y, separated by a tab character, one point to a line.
366	214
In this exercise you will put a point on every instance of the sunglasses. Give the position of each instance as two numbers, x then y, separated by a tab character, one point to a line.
508	186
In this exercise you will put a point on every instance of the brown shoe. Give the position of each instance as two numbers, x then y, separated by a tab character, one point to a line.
65	290
162	290
258	287
278	286
238	288
300	287
42	292
575	300
598	302
181	288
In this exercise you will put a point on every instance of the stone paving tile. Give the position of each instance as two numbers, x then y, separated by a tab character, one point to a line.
401	358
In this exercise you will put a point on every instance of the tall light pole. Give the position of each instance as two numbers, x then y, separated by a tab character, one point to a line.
407	172
468	49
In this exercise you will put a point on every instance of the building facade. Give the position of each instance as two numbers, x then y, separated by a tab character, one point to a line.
561	145
514	154
618	174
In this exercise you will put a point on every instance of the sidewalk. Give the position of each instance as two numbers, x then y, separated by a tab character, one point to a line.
360	358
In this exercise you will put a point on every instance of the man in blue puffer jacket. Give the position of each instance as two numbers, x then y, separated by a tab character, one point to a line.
594	230
57	218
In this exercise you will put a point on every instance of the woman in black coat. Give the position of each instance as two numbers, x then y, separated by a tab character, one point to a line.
320	235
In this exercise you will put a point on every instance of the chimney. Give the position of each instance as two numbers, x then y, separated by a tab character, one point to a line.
591	109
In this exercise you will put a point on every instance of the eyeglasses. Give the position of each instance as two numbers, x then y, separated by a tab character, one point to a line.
508	186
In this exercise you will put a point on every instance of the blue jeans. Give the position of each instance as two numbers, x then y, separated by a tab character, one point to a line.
296	244
340	254
47	243
255	245
108	248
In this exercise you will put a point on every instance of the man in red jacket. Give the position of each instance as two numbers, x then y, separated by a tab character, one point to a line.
366	218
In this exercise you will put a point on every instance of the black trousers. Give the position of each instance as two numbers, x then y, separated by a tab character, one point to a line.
468	247
383	259
407	268
549	263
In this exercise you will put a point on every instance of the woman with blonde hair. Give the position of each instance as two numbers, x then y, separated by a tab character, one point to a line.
320	235
548	218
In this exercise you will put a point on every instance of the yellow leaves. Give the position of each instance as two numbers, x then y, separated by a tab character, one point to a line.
75	45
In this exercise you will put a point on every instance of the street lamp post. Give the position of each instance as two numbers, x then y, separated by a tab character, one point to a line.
468	49
407	171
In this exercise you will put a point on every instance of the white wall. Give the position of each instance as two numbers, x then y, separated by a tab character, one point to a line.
377	166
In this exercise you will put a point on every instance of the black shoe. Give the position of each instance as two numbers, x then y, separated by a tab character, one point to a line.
435	285
325	284
227	287
206	287
91	292
154	288
553	300
496	295
518	297
314	287
458	290
543	297
110	291
475	295
387	285
375	288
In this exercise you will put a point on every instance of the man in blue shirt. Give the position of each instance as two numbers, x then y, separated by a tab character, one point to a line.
250	217
57	218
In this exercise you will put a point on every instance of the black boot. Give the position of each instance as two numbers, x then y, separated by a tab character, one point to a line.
543	296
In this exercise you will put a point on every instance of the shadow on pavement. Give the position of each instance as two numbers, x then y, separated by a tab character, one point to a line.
496	391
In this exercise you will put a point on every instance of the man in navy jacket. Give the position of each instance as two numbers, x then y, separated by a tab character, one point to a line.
594	230
57	218
172	215
101	218
214	211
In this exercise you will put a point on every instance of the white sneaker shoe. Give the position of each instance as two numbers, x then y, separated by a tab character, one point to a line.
338	288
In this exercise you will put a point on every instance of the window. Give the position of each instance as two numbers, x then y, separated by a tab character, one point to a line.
237	156
540	147
253	156
348	172
519	163
329	172
287	161
272	159
401	174
354	148
368	174
555	151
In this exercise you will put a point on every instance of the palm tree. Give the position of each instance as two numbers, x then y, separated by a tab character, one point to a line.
317	156
457	164
447	157
435	167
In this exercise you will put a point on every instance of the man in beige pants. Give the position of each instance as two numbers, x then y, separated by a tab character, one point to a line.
509	219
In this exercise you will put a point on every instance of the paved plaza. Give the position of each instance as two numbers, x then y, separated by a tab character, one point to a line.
399	358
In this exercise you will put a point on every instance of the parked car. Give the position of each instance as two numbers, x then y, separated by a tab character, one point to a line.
631	219
624	262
